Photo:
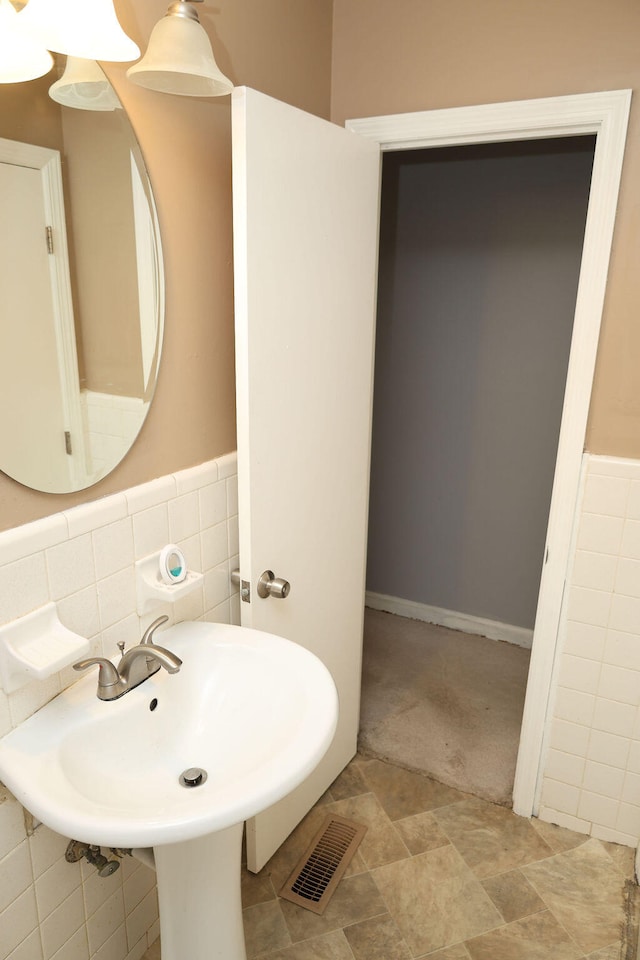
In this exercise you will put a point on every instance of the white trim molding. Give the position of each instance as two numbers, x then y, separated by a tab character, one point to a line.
606	116
466	622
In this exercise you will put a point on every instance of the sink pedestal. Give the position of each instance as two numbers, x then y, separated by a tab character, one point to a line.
199	897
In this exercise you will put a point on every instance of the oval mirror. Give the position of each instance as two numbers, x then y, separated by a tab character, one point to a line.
81	280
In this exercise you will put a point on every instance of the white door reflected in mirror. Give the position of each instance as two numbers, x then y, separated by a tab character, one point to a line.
82	311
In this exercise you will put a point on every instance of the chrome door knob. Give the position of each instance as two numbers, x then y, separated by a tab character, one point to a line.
272	586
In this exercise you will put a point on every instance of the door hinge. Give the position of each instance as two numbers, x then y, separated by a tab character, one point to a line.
67	442
49	239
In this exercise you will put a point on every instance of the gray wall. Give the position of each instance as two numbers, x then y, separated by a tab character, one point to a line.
479	261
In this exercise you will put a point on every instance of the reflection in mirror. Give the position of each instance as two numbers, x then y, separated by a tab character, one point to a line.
81	281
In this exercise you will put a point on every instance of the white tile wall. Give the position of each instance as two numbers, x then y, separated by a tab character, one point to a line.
83	559
592	771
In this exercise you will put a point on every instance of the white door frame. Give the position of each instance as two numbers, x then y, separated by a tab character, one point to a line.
605	115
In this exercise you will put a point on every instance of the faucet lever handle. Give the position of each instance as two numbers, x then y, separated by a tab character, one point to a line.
108	673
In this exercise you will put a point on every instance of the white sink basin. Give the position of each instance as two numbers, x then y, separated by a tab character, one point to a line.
256	712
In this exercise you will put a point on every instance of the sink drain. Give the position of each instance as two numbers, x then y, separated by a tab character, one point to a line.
193	777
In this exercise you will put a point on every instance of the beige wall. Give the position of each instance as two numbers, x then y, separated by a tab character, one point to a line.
28	114
411	55
283	48
414	55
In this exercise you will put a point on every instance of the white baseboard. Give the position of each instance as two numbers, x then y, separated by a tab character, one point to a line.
492	629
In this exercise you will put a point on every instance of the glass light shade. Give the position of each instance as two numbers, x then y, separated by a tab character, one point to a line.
79	28
21	57
179	60
84	86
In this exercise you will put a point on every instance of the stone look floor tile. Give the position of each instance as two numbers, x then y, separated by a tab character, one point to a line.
402	793
623	857
458	952
350	783
333	946
265	929
584	889
539	937
256	888
153	953
513	895
435	900
558	838
377	939
421	833
491	839
356	898
612	952
381	843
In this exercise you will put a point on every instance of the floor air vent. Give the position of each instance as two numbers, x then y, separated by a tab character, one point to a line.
320	870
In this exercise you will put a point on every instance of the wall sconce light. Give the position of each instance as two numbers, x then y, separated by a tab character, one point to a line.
21	57
179	58
84	86
79	28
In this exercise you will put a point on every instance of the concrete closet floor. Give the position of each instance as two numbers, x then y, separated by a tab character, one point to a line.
444	875
443	702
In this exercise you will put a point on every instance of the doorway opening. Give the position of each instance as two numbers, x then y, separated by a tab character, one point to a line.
605	115
480	252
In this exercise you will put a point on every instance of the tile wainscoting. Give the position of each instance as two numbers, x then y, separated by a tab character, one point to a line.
591	778
83	560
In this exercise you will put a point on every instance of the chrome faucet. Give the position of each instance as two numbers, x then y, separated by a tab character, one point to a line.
136	665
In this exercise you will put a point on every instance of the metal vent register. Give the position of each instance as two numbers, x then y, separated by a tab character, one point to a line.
318	873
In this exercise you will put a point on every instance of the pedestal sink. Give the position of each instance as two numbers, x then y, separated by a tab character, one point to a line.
254	712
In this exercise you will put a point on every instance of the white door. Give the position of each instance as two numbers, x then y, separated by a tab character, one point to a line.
34	434
306	197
